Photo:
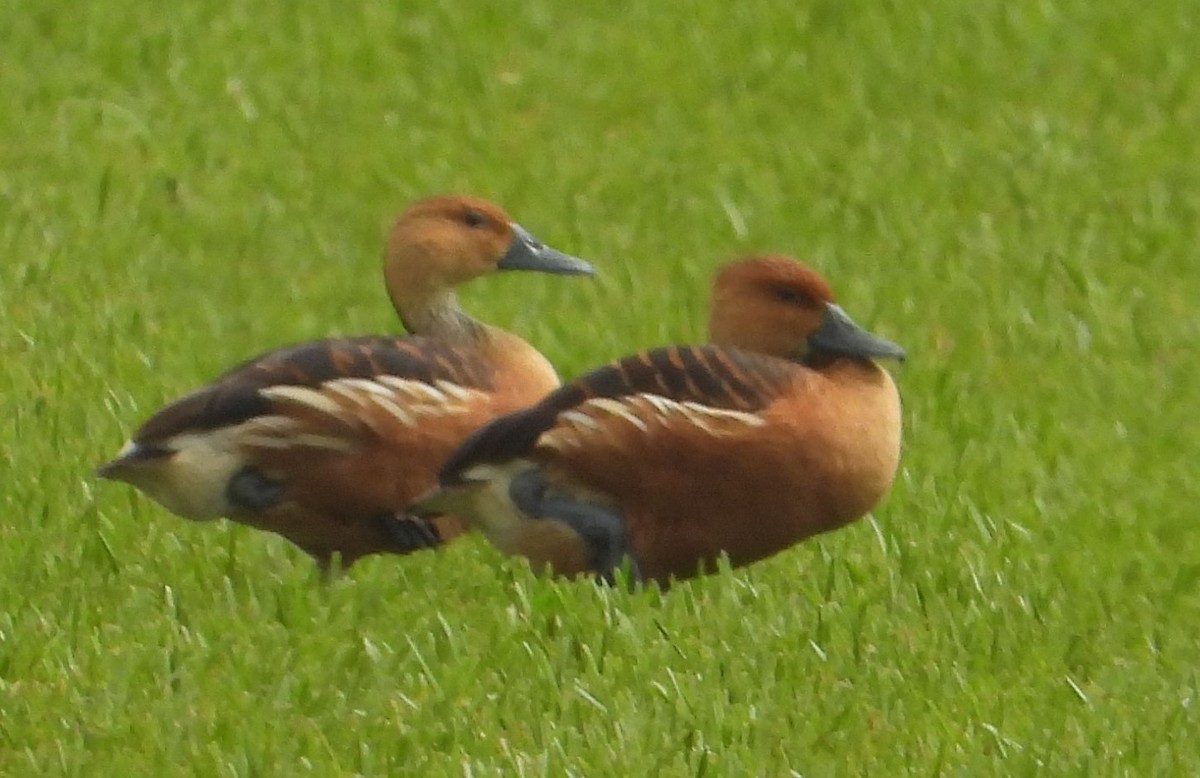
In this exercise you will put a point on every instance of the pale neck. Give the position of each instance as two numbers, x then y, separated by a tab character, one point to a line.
442	317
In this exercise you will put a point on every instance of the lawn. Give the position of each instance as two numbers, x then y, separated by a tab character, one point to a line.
1011	190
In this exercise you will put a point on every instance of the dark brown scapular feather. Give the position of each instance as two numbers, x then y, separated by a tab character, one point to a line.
234	396
715	376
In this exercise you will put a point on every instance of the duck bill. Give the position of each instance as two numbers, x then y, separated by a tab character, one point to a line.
838	334
131	458
526	252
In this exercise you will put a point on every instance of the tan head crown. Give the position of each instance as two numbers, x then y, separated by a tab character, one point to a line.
778	306
769	304
440	242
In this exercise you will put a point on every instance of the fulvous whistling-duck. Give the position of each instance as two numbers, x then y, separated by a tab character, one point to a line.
782	427
324	442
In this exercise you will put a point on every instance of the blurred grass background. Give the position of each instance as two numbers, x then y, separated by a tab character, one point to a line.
1009	189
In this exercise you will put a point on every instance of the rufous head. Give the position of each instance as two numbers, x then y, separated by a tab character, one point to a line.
440	242
775	305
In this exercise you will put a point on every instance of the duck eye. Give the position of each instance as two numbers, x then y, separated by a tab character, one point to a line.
473	218
791	296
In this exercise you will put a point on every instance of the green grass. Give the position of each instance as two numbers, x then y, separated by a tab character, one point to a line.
1009	189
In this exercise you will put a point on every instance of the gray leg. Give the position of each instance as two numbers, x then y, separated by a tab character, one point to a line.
602	528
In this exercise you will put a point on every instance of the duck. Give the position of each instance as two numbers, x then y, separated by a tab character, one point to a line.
324	442
781	426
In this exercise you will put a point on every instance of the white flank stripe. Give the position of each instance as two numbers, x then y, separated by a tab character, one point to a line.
606	404
665	406
277	425
402	385
359	385
392	407
405	386
430	392
425	409
579	418
695	419
617	408
311	440
754	420
661	404
559	440
455	391
344	391
265	441
302	395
